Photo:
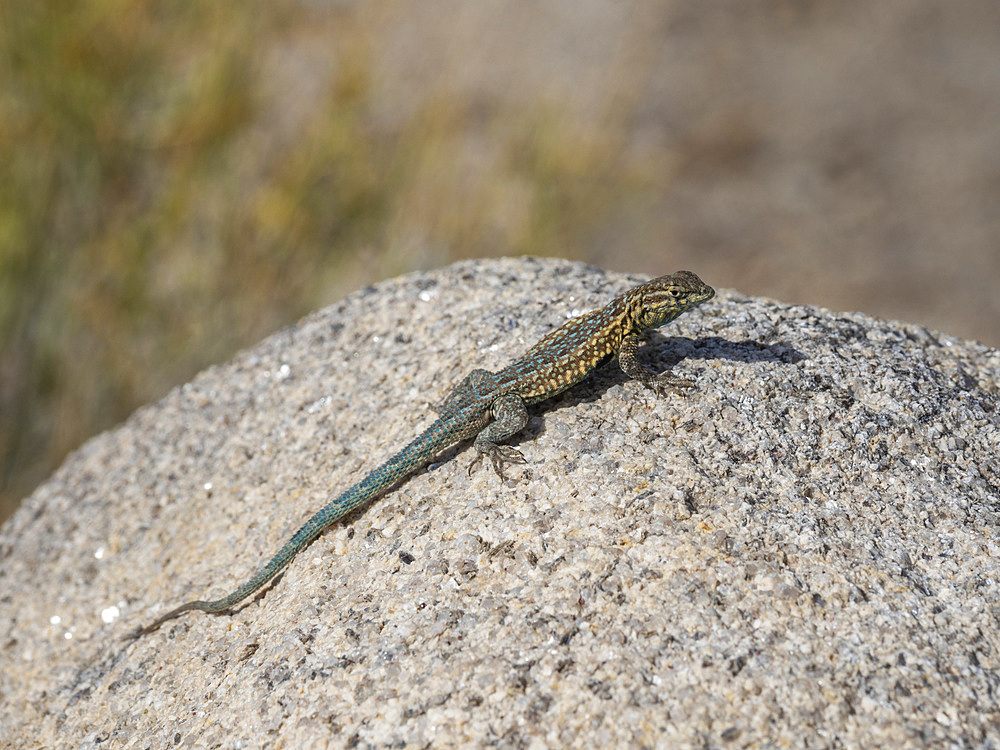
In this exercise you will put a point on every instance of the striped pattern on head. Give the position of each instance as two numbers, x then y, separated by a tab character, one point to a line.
662	299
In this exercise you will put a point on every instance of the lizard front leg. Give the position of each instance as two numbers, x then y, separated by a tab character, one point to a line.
510	415
631	366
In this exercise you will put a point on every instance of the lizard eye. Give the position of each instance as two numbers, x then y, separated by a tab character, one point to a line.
675	293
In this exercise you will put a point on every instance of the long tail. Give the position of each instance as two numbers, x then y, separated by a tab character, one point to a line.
432	440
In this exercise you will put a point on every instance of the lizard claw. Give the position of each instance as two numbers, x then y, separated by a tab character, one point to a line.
498	455
667	382
474	462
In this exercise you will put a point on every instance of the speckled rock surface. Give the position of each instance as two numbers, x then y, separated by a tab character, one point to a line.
801	552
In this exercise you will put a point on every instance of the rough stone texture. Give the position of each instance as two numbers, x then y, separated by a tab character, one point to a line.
801	552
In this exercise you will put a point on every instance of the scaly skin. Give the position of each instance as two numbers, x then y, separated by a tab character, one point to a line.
492	406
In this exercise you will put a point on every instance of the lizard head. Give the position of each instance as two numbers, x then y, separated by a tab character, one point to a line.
662	299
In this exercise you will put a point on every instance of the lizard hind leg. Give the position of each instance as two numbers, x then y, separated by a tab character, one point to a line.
510	416
467	387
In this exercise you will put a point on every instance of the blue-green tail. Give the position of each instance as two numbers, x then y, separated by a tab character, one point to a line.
439	435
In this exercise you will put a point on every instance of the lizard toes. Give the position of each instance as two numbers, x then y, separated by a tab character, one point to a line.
510	455
474	463
664	383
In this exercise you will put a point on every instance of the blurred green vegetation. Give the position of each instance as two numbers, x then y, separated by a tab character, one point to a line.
168	195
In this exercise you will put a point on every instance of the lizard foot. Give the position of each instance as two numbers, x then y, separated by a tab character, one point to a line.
498	455
667	382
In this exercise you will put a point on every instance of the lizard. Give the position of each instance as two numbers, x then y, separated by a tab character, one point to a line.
492	407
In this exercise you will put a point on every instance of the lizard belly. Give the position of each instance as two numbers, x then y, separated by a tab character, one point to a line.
558	376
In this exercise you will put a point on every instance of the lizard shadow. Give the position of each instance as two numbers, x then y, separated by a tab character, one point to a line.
661	354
